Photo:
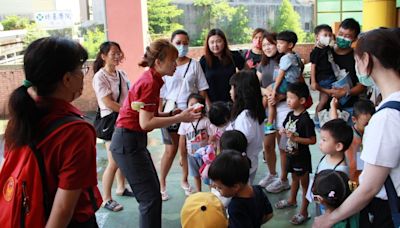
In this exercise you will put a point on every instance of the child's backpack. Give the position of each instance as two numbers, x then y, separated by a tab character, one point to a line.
24	199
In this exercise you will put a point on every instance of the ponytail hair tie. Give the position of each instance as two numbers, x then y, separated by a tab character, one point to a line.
244	154
27	83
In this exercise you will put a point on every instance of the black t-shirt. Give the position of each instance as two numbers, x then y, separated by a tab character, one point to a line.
323	68
348	63
252	59
218	76
249	212
303	127
267	72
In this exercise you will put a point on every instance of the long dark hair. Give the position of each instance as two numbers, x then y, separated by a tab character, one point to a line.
265	60
46	61
226	57
247	95
104	49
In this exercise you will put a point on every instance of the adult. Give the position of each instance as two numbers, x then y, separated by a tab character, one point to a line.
110	84
54	68
252	56
219	63
265	71
377	61
139	115
188	78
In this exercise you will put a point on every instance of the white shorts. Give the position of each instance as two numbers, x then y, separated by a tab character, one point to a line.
282	109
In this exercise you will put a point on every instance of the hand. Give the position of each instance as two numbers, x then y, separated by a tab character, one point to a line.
282	131
322	221
334	103
291	135
176	111
314	86
338	92
189	115
272	98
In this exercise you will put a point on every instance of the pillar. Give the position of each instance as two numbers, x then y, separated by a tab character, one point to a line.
377	13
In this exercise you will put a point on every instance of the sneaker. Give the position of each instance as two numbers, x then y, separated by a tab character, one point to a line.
278	186
269	128
267	180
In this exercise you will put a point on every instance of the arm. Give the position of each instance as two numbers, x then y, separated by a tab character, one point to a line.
148	121
63	207
356	90
278	80
305	141
373	180
205	95
182	147
110	103
314	84
333	111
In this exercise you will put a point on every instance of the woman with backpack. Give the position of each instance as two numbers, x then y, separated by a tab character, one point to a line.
377	62
54	70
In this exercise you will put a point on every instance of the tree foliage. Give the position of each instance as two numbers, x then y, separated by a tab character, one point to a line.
92	41
33	33
289	19
15	22
162	17
219	14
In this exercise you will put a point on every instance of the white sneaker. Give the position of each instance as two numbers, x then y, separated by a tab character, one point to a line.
278	186
267	180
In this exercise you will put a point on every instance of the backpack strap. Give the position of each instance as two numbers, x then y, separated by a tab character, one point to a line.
39	157
390	104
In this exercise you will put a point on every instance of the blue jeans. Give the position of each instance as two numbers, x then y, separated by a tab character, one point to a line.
132	157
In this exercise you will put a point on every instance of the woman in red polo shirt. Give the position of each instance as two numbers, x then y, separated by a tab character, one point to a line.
54	68
139	115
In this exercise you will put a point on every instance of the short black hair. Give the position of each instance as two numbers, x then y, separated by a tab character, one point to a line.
219	113
179	32
233	140
200	99
321	27
230	167
351	24
340	131
300	89
332	186
363	106
288	36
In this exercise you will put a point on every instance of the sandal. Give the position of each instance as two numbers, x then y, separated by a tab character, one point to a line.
282	204
126	192
112	205
164	196
188	189
299	219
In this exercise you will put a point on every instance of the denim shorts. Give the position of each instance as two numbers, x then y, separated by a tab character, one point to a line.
327	83
194	165
282	87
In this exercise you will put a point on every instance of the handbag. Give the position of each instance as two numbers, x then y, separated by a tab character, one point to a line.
343	79
104	126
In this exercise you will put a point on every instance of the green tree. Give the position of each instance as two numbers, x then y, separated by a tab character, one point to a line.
33	33
162	17
15	22
219	14
92	41
289	19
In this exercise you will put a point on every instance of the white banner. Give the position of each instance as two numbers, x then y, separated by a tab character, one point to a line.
54	19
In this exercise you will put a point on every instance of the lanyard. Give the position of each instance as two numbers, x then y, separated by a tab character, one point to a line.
195	127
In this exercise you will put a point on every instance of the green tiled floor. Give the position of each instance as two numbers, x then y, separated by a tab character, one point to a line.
171	208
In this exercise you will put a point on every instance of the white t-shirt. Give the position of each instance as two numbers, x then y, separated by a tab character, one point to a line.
381	143
196	134
193	82
254	133
105	84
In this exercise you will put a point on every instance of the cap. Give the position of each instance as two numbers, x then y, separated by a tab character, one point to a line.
203	210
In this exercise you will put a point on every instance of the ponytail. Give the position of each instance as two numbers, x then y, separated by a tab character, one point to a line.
158	49
98	63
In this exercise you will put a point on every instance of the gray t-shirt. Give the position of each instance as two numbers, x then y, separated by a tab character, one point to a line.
324	165
291	64
268	72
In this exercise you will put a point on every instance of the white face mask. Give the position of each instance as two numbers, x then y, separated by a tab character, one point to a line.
364	79
324	41
182	50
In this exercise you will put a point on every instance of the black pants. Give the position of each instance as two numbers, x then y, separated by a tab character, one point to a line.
91	223
376	214
132	157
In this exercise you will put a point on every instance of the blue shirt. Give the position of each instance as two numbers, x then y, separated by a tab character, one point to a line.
291	64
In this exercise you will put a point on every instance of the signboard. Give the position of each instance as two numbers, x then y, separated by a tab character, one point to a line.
54	19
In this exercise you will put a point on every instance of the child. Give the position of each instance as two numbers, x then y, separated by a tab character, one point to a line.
249	206
362	113
290	67
330	189
322	74
299	129
219	115
193	136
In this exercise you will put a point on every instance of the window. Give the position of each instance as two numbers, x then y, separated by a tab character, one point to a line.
330	11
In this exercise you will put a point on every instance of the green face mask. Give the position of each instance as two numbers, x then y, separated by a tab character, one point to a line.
343	42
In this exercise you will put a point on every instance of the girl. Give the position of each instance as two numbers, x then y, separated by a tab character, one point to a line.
193	136
253	56
54	68
219	63
106	85
375	64
188	78
248	113
129	141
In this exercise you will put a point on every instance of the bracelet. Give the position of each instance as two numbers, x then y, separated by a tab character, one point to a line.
170	113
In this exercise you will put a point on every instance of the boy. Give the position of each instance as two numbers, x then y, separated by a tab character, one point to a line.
290	67
362	113
299	129
322	74
249	206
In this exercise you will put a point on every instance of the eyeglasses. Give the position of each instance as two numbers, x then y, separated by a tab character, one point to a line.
85	69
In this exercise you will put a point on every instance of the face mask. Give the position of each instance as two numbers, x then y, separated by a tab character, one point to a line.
343	42
256	44
364	79
324	41
182	50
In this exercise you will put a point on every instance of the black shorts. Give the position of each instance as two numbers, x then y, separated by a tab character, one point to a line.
298	164
376	214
